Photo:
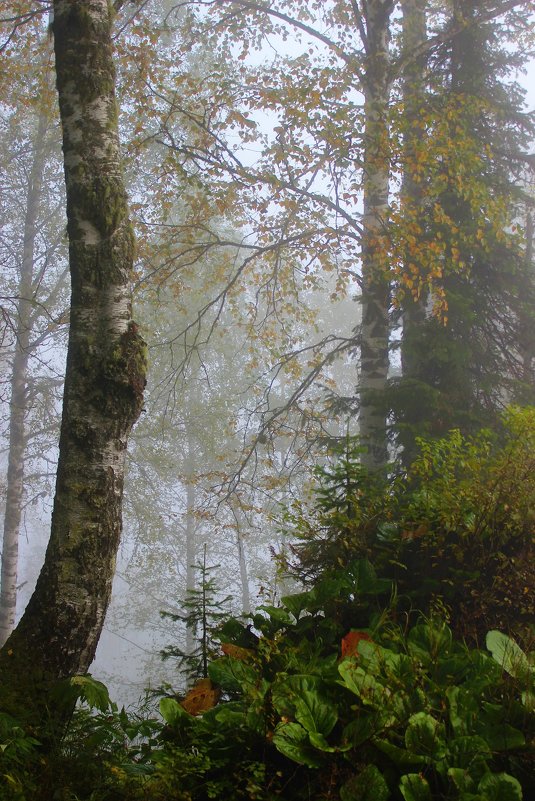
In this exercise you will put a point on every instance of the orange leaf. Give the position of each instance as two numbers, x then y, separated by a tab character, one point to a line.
235	651
203	696
350	643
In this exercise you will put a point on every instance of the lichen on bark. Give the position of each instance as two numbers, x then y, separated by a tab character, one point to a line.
105	377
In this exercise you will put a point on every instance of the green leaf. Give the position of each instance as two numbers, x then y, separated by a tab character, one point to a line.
363	728
425	735
427	642
296	603
463	710
414	787
502	737
292	741
528	699
93	692
360	682
500	787
319	742
231	714
368	785
277	615
300	697
232	674
470	753
509	655
400	756
173	713
461	779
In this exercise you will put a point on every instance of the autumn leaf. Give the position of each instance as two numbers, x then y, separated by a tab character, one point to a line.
236	652
203	696
350	643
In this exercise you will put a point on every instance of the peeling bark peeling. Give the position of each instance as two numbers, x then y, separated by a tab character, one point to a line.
105	374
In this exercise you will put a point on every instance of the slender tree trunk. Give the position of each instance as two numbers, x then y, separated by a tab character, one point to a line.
105	376
414	33
190	555
375	268
239	517
19	392
526	322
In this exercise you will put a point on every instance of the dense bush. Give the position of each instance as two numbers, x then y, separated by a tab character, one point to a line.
455	529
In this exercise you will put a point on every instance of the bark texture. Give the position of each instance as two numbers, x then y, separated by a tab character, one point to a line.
105	375
414	309
375	267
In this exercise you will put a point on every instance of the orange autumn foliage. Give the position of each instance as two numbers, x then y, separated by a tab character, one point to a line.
203	696
350	643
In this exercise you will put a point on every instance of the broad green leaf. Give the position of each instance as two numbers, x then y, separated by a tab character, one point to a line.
509	655
231	714
232	674
364	578
470	753
296	603
363	684
300	696
319	742
93	692
528	699
463	710
173	713
500	787
365	726
277	614
368	785
425	735
400	756
501	737
414	787
461	779
292	741
427	642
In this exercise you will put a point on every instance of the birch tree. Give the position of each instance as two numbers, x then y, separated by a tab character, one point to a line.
33	256
105	375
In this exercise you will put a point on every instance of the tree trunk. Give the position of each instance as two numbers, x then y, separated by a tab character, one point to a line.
375	267
414	308
105	376
19	392
190	551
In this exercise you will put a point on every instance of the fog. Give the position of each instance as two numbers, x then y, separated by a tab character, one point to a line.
244	153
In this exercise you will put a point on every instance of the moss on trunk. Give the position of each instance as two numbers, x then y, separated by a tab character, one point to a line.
105	378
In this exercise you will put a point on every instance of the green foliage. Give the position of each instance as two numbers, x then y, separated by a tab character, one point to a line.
203	613
414	713
345	690
101	753
400	713
454	530
514	661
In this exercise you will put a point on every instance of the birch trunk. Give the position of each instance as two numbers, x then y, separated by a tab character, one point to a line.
375	268
19	392
105	375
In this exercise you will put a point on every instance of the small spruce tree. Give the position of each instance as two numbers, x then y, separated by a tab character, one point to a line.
203	611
